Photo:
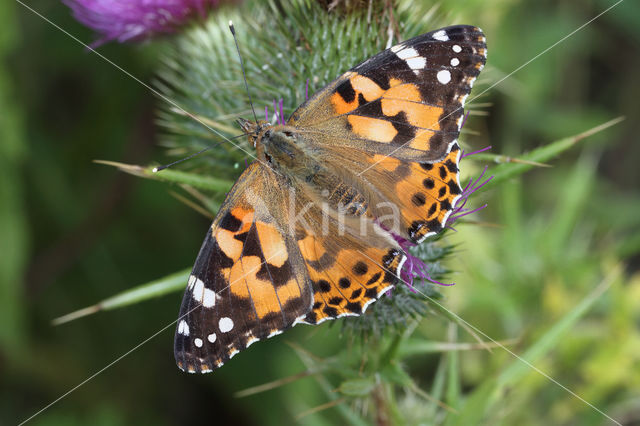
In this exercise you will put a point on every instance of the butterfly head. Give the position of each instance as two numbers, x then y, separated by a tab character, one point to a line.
253	129
284	148
280	146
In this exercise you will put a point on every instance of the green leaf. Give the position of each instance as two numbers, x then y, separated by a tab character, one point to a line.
415	347
169	284
394	373
357	387
173	176
545	153
548	341
348	415
437	388
575	193
198	181
453	376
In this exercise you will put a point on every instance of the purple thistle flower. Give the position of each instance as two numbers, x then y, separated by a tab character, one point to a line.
473	186
134	20
414	267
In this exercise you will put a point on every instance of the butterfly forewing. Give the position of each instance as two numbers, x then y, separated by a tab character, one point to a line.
405	102
248	282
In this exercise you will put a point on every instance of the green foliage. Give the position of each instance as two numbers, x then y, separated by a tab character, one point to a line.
13	243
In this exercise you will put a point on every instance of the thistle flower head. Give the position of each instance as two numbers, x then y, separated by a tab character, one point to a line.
134	20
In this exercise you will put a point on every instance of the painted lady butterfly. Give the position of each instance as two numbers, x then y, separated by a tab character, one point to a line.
306	233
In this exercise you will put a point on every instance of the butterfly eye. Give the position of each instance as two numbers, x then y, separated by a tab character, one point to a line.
288	134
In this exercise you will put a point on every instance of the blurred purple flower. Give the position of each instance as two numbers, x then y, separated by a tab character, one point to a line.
133	20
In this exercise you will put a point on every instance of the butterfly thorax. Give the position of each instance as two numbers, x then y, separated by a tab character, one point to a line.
291	153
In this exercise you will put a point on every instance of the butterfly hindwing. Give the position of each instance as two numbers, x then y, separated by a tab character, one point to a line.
405	102
351	261
425	194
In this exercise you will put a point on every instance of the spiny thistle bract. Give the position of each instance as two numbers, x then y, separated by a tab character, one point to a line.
288	48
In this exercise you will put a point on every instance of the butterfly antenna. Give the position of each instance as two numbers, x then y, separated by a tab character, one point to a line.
189	157
166	166
244	75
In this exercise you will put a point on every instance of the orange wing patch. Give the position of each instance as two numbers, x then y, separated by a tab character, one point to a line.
405	97
398	114
273	246
345	101
231	246
372	128
259	274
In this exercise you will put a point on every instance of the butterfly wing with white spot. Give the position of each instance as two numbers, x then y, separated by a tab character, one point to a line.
248	282
405	102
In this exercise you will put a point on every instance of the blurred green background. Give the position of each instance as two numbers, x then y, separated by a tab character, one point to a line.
73	233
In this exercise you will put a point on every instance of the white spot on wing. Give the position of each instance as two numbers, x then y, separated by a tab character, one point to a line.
400	265
202	294
212	337
198	342
192	281
197	289
444	76
183	328
441	35
455	62
416	63
411	57
225	324
208	298
470	81
298	320
397	48
407	53
456	48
